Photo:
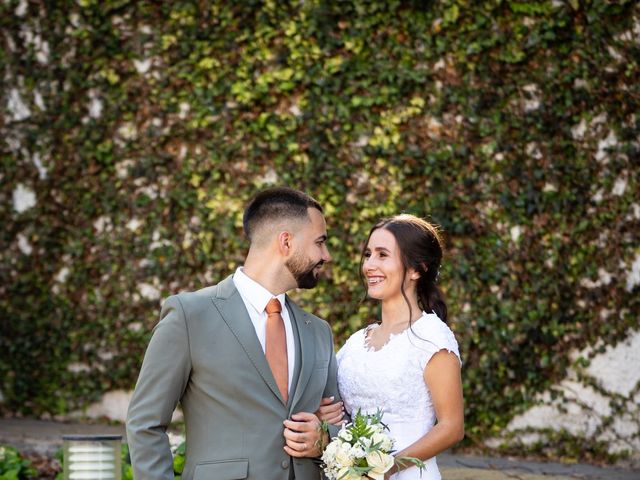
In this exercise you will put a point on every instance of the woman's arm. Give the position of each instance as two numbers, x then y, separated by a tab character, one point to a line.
330	412
442	376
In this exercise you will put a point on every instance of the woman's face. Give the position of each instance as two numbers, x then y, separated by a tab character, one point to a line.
383	269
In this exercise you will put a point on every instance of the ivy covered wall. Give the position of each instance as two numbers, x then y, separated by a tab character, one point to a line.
133	133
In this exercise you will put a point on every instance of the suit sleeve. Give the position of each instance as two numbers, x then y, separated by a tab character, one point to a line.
331	387
161	383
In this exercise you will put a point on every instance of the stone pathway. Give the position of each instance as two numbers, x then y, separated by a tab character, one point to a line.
469	467
45	437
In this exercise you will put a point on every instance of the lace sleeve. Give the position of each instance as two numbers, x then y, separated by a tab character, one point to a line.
434	335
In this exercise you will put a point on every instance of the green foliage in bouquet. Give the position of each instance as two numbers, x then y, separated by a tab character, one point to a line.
361	426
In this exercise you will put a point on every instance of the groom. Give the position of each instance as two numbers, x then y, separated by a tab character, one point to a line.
245	362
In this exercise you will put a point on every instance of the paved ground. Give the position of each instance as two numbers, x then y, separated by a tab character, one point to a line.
468	467
45	437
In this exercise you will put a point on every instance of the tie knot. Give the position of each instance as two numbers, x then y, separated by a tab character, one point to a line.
273	306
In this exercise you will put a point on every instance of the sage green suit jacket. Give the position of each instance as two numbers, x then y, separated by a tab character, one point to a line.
204	353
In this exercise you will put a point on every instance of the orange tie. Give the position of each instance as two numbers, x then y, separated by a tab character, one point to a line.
276	347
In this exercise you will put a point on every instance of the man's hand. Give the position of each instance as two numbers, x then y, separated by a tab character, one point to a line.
304	436
330	412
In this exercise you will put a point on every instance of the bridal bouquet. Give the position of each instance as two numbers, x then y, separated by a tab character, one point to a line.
362	450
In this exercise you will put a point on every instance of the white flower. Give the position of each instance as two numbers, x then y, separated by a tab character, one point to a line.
345	435
376	428
380	463
329	454
384	441
343	455
365	442
357	451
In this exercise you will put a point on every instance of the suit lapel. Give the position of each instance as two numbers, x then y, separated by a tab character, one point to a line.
307	349
234	312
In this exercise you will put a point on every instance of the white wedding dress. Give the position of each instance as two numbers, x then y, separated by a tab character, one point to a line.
391	379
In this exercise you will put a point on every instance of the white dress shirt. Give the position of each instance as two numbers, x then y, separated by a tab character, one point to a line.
255	298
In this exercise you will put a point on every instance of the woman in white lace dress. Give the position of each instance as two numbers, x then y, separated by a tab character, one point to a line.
408	365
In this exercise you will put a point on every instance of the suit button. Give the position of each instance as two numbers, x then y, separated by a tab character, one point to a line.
285	464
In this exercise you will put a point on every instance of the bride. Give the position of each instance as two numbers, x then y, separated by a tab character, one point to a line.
407	365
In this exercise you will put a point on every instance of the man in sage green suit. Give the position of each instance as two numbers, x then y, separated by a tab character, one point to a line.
208	353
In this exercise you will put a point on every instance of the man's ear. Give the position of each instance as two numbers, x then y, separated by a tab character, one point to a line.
285	243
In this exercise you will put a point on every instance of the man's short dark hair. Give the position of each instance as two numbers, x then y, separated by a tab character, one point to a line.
275	204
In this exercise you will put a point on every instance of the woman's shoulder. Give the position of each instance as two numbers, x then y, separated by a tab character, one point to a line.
431	329
356	338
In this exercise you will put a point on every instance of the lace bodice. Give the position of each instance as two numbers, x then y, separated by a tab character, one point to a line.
391	379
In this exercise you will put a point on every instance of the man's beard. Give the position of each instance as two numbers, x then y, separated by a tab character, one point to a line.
302	271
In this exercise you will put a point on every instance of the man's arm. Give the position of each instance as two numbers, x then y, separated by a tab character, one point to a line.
331	388
161	383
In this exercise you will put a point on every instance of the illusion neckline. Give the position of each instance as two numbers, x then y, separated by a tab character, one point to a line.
370	349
